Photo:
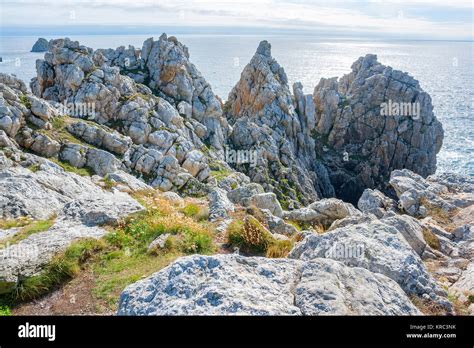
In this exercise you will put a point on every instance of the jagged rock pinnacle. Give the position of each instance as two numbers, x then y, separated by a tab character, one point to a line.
265	48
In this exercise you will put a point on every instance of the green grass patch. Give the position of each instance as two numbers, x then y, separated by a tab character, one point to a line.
141	229
28	230
196	211
191	210
60	133
220	174
59	123
295	224
14	223
108	184
121	257
69	168
5	311
24	101
115	270
35	167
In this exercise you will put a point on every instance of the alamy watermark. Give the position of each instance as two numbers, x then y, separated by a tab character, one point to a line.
406	109
345	251
80	110
238	157
18	251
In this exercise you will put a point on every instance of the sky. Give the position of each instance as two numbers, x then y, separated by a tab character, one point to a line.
427	19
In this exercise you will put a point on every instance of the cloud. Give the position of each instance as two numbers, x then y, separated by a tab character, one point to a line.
393	17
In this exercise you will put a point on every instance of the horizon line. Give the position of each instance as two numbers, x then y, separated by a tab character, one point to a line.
115	29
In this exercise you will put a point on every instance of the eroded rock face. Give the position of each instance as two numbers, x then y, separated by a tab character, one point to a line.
264	120
235	285
464	286
410	229
165	67
79	205
361	147
146	127
25	192
12	108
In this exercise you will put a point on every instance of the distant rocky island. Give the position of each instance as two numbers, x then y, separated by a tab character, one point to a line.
274	202
41	45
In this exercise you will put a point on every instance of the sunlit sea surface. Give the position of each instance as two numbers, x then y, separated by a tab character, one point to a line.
445	70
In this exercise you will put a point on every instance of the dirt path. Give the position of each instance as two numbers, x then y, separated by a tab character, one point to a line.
74	298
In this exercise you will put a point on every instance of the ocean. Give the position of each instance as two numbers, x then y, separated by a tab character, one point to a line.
445	70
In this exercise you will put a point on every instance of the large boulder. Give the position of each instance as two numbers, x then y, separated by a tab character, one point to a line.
267	201
242	195
236	285
375	202
219	204
379	248
323	212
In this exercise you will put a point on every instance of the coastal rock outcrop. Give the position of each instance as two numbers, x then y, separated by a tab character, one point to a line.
141	125
164	66
236	285
264	119
142	119
446	193
370	122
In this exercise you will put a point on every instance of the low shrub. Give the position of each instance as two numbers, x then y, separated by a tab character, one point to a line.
197	241
431	239
249	235
279	249
196	211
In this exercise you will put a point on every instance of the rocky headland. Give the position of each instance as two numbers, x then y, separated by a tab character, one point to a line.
274	202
